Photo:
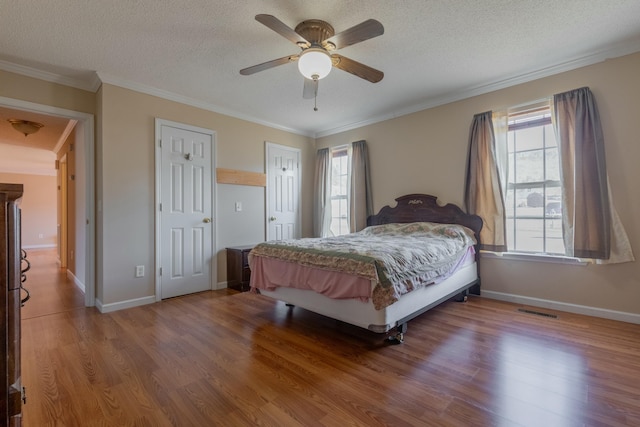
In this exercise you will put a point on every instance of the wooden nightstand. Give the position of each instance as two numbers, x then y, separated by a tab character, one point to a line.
238	272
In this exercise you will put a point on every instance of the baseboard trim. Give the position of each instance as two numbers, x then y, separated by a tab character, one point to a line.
121	305
75	281
48	246
563	306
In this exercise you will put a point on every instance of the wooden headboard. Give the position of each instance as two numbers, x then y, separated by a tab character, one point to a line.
425	208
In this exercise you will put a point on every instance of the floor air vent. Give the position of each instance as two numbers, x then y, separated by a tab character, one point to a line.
537	313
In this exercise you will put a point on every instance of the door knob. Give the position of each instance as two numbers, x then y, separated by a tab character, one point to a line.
206	220
273	218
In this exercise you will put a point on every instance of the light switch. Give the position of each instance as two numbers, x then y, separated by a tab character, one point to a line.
238	206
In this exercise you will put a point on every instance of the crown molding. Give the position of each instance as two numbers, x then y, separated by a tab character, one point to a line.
171	96
97	78
28	170
65	134
90	85
578	62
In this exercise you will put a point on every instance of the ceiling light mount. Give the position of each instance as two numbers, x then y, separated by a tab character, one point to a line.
25	127
315	31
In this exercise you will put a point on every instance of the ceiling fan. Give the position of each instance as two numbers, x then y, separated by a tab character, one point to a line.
318	40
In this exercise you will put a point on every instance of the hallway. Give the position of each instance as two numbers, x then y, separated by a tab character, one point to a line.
50	289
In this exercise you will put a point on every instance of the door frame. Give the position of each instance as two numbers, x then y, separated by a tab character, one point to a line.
158	192
64	217
267	157
85	124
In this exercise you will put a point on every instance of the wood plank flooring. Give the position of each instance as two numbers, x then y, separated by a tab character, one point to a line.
238	359
52	291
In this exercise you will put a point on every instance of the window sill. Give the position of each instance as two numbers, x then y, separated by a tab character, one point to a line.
520	256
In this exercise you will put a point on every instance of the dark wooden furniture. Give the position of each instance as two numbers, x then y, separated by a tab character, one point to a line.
238	272
10	281
425	207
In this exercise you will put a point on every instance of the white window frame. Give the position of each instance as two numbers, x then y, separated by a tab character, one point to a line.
337	152
519	122
540	108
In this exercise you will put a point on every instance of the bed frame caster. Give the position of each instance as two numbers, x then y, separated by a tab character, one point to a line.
462	296
398	337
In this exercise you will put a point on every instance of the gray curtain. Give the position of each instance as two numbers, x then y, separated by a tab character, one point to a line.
322	196
588	215
483	193
360	202
585	206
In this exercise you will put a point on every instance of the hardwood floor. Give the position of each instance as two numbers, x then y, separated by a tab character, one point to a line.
238	359
50	289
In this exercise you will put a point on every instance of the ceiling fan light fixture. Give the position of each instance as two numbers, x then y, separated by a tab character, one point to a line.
25	127
314	63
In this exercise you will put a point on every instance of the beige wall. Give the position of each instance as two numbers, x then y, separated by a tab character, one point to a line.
41	92
425	152
49	94
126	185
124	173
421	152
38	206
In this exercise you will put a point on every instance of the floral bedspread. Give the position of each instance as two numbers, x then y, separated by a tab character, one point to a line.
398	257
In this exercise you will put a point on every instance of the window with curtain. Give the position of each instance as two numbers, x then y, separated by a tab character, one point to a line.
537	177
533	193
339	191
342	190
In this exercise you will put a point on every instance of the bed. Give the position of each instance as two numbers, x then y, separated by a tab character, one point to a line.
354	289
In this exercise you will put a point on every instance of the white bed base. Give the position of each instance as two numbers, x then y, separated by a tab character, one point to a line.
364	315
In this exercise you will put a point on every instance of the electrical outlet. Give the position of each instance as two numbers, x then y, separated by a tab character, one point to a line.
40	236
139	270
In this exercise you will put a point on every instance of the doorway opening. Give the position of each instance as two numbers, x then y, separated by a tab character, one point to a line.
82	220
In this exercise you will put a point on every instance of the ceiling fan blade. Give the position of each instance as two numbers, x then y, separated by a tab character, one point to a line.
310	88
269	64
356	68
356	34
283	29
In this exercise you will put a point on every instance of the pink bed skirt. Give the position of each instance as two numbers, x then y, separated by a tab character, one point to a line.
269	273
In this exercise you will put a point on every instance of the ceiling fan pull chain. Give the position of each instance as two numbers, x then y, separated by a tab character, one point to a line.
315	95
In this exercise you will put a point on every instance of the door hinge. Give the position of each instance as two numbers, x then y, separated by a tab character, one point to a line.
161	271
160	143
160	207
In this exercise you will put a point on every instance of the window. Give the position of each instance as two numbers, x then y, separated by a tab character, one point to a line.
339	191
533	198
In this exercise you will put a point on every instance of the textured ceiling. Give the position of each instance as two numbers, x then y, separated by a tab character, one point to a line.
431	51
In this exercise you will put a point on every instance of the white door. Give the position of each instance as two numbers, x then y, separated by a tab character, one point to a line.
186	227
283	192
